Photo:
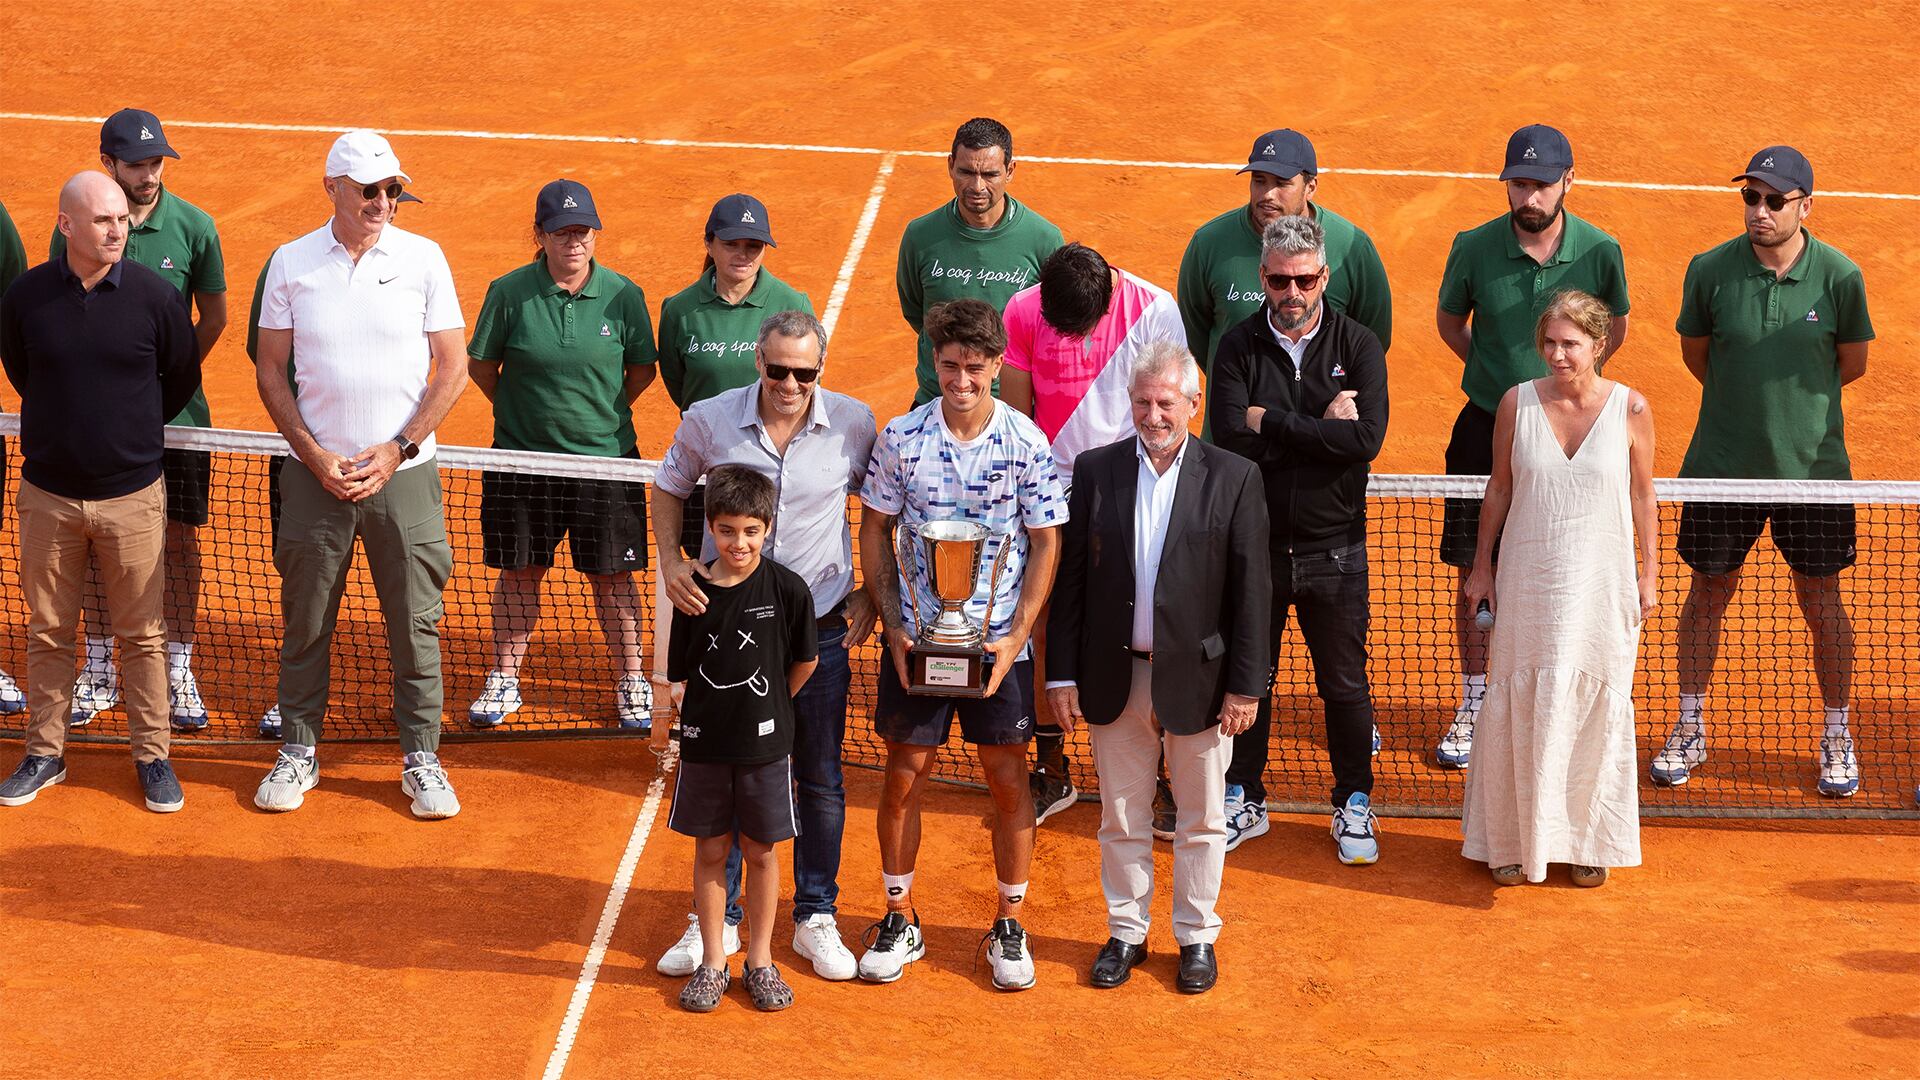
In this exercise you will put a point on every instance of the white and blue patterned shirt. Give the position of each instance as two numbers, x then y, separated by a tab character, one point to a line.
1005	479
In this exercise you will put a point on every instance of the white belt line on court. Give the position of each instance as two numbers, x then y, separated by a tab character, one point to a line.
817	148
843	282
609	918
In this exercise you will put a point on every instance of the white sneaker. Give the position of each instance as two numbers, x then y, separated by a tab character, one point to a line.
1686	750
896	943
686	954
187	712
1456	746
12	699
1007	955
287	783
499	699
426	784
1839	768
818	940
1250	821
633	702
95	691
270	724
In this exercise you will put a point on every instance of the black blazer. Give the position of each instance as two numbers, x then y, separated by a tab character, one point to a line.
1210	600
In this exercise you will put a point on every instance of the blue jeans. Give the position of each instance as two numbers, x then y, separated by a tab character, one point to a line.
820	722
1328	594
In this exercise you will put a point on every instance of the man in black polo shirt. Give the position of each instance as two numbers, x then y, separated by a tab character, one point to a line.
1302	390
102	352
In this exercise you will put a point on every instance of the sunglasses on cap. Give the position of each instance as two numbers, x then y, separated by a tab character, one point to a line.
391	191
1304	282
1776	202
802	375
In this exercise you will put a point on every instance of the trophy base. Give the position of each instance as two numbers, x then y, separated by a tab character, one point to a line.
935	670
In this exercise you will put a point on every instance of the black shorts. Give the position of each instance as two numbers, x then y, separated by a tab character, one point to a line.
1817	540
524	516
693	522
1005	719
1469	453
189	475
717	799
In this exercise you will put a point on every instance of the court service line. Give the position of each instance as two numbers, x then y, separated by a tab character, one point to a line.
843	282
609	918
820	148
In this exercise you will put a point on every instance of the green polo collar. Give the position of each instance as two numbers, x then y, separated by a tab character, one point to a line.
596	280
1795	273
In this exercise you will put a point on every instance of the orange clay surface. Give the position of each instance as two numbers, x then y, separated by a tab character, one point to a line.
348	940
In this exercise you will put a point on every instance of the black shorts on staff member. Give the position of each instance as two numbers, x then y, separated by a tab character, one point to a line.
1005	719
1469	453
1816	540
524	516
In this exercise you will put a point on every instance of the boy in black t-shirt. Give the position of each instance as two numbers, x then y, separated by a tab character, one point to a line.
735	668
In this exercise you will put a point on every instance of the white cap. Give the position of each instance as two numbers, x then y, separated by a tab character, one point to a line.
364	157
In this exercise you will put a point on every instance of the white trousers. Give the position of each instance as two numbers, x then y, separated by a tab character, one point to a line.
1127	753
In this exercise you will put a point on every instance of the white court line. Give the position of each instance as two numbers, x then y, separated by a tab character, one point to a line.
609	918
844	281
817	148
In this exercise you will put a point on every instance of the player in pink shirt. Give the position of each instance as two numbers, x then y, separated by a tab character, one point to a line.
1071	342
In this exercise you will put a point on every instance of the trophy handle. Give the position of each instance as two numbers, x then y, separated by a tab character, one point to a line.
993	578
904	553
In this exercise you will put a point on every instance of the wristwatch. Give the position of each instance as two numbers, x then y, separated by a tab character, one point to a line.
408	448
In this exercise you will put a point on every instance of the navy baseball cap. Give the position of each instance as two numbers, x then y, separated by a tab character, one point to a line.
134	135
1782	168
1285	153
563	203
1537	152
740	217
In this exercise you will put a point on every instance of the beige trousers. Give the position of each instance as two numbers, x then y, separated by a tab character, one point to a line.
127	538
1127	754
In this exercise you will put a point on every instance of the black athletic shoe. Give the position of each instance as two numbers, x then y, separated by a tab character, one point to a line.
1052	792
1163	810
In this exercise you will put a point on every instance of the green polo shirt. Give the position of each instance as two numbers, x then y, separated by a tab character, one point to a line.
1220	281
178	242
13	254
1770	407
943	258
1491	279
563	359
707	344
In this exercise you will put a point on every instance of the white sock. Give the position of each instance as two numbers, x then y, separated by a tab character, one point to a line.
1837	722
1693	711
99	654
897	885
179	660
420	757
1473	690
1012	894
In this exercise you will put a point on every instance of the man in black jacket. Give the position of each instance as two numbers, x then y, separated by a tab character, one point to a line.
1159	624
1302	390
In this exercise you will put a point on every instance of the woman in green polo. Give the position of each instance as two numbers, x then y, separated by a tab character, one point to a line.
562	347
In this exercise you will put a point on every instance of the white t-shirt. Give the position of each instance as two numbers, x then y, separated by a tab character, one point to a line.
360	352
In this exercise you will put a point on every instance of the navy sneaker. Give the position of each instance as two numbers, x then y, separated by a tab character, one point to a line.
160	786
34	773
1353	831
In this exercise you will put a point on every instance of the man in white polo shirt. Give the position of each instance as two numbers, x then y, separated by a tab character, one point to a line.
370	311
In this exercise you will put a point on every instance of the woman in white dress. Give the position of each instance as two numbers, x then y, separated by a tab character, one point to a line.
1553	776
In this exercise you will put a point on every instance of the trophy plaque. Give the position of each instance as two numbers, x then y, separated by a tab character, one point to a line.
949	656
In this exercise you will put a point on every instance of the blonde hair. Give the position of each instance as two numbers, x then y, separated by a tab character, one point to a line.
1588	314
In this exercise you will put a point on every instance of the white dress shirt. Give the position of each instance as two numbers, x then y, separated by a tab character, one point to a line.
1152	509
1296	350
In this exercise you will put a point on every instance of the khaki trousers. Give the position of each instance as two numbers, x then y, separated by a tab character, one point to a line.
126	537
1126	754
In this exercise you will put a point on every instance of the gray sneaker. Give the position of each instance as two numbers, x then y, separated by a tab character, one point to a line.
426	784
287	783
35	772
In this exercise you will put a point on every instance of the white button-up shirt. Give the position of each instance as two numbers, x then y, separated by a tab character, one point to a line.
360	353
1296	350
1152	511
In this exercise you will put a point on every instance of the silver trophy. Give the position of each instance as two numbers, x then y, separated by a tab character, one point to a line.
949	656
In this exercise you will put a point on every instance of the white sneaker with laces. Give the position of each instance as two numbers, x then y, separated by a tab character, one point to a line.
287	783
425	782
95	691
12	698
1839	768
1248	822
818	939
1008	957
270	724
686	954
187	712
895	943
633	702
1456	746
499	698
1685	751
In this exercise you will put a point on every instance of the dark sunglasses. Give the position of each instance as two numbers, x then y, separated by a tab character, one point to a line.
801	375
391	191
1775	202
1304	282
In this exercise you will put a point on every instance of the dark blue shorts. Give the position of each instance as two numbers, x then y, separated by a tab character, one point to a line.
720	799
1005	719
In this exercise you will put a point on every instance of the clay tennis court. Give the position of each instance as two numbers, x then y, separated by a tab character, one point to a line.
349	940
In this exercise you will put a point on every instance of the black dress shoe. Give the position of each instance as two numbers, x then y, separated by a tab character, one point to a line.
1198	971
1116	962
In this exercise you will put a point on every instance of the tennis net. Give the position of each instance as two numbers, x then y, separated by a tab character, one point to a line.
1763	714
